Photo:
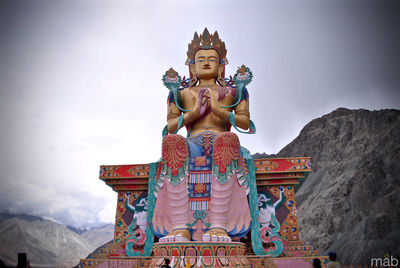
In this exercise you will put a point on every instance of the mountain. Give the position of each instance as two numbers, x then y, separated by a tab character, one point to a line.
99	235
46	243
77	230
350	203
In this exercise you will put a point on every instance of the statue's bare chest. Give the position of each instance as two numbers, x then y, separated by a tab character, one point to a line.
191	95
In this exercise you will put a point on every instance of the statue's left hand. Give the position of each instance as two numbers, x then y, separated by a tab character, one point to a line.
215	107
214	101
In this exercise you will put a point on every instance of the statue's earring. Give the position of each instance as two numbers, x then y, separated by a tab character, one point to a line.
221	74
193	76
193	81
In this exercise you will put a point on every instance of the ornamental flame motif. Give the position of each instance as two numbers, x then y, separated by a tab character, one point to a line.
226	149
174	152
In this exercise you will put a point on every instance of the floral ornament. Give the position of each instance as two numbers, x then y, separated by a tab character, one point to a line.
174	152
172	76
242	73
241	79
226	156
175	156
172	81
226	149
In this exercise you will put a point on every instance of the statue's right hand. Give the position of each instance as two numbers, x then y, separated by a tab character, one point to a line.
195	113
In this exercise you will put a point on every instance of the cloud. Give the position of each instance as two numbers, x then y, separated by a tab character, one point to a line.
62	204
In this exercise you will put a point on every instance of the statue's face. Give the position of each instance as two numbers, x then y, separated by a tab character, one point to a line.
264	200
207	63
142	203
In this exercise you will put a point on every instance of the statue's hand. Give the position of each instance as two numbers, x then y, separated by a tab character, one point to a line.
214	101
195	113
215	107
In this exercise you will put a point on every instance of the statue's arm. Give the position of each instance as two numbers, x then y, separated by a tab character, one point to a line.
281	200
128	206
173	117
242	114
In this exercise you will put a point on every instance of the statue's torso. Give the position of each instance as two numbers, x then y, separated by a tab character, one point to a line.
208	122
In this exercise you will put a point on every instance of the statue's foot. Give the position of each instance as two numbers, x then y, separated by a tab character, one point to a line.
179	235
216	235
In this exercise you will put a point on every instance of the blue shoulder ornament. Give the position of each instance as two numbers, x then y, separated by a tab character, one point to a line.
241	79
172	81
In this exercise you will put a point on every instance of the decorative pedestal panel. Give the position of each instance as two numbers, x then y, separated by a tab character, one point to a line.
200	254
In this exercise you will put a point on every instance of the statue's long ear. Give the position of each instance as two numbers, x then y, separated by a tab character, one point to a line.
221	75
193	76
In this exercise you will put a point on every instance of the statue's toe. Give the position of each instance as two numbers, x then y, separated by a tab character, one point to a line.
180	238
180	235
206	238
216	235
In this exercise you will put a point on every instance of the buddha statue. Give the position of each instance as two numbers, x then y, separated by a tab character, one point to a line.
201	186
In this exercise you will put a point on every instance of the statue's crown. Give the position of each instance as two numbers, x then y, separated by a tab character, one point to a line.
206	41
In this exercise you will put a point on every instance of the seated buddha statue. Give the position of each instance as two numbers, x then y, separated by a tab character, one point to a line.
201	189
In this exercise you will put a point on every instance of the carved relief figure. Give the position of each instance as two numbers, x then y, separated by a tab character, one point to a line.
267	208
139	210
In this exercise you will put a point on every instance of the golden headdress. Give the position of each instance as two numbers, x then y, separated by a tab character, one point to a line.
206	41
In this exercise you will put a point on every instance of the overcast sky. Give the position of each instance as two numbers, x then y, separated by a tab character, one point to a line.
80	83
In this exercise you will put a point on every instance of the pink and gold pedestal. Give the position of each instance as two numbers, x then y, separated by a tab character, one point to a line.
273	176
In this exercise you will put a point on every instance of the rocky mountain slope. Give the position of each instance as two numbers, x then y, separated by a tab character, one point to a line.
98	236
350	203
46	243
